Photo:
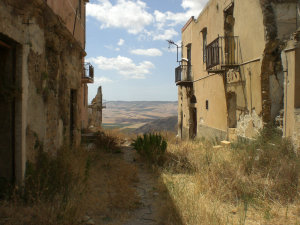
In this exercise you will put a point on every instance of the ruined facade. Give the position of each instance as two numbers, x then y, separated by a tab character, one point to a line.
231	76
43	83
96	107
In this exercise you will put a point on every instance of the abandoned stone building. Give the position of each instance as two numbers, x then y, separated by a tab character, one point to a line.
95	109
43	86
240	69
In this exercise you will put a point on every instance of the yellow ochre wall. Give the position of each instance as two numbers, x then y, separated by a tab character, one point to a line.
253	41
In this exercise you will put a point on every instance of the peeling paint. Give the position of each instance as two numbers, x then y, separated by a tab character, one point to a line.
249	125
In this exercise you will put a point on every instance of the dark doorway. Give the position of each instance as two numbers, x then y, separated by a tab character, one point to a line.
73	101
193	127
8	92
231	107
180	123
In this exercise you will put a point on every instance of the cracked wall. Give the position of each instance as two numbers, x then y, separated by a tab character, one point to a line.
249	125
49	66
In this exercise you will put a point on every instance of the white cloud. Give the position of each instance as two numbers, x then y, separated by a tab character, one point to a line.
147	52
167	34
102	80
131	15
191	7
125	66
169	18
164	21
194	5
121	42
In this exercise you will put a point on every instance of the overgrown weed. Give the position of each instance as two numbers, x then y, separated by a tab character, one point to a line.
244	184
108	141
53	191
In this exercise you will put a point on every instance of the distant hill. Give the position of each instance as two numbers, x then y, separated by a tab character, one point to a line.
134	114
164	124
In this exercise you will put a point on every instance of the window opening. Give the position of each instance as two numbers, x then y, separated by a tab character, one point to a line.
204	38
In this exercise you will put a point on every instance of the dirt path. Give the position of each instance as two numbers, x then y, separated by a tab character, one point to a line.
150	209
127	191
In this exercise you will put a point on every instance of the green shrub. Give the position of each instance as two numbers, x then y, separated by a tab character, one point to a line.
151	146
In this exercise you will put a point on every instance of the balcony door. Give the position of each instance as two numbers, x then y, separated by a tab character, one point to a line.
229	36
189	64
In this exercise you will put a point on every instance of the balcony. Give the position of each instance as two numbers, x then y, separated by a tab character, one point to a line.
183	75
222	53
88	73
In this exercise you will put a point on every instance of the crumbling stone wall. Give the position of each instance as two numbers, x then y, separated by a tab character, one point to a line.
271	69
51	67
96	106
249	125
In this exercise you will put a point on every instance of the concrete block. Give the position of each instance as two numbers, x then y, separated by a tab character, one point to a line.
225	143
217	147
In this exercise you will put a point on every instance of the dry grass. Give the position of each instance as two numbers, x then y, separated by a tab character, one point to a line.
251	183
53	192
112	195
62	189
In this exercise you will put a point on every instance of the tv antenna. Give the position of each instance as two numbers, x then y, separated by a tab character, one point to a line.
177	46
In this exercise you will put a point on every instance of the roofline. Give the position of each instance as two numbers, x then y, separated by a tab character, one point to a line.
187	24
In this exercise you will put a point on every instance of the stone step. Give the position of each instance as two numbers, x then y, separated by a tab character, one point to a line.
217	147
225	143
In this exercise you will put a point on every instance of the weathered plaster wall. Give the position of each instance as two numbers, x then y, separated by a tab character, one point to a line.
290	58
68	11
286	18
214	88
211	90
186	93
49	65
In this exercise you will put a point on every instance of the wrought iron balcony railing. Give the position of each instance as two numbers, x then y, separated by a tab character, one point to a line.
88	73
183	75
222	52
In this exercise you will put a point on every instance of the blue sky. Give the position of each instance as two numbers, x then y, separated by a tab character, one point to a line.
126	43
